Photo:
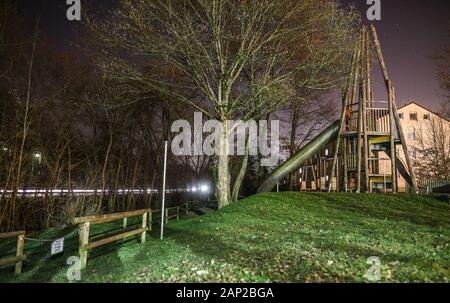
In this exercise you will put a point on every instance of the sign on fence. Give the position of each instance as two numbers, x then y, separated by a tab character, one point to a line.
57	246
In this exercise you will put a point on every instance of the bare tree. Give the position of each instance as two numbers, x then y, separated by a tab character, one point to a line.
209	45
433	149
442	59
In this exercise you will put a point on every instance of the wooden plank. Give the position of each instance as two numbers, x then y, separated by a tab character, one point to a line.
19	254
115	238
12	260
12	234
171	217
110	217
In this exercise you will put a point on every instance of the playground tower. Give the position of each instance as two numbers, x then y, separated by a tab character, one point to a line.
357	153
369	128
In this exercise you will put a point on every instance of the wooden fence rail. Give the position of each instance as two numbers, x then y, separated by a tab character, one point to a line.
20	257
170	213
85	222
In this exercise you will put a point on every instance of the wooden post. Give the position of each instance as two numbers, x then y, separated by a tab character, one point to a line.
178	213
187	208
360	113
144	225
392	138
167	216
345	102
365	45
405	147
19	254
125	223
345	166
150	221
84	241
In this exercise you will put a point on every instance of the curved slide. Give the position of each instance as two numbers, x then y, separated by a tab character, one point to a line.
306	152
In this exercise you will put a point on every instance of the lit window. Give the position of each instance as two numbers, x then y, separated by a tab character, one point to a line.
413	116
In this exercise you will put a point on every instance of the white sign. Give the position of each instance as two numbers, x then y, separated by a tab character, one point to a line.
57	246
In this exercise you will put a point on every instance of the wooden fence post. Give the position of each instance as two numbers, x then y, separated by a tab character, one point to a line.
178	213
20	245
150	221
167	216
84	241
144	225
187	208
125	223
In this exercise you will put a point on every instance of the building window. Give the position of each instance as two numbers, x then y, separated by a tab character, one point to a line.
413	116
400	115
426	116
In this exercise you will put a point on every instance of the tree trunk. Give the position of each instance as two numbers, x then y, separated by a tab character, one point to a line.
241	175
223	172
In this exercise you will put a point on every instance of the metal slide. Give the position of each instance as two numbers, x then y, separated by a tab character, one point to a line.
304	154
307	152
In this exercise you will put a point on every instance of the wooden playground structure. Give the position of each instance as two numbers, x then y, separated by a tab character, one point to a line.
357	153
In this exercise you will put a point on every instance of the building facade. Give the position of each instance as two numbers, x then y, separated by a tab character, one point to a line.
425	132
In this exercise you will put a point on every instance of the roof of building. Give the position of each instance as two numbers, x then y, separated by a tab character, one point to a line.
427	109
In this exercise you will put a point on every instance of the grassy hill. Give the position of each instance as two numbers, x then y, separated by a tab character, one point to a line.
295	237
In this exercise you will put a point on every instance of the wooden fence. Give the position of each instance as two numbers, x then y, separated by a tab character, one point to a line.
430	186
85	223
148	219
20	257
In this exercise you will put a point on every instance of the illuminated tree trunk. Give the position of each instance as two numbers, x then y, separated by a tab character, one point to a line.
223	173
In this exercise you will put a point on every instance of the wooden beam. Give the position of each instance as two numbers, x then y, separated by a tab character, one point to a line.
401	134
12	260
110	217
360	124
392	106
346	101
12	234
392	137
115	238
366	77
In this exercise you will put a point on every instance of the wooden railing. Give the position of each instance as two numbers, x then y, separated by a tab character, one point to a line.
148	219
20	257
174	212
85	222
378	120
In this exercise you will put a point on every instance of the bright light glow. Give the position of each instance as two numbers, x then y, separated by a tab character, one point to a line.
37	155
204	188
194	189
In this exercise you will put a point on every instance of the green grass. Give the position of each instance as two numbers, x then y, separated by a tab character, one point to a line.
286	237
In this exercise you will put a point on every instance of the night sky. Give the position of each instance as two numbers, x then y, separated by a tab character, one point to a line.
410	32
